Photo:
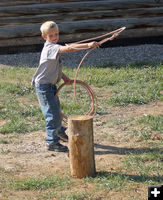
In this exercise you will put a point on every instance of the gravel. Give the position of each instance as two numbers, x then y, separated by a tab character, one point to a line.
101	57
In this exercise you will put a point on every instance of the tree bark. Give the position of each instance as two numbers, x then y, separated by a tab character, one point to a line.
81	148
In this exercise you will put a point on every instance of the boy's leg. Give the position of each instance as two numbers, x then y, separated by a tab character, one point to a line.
51	111
62	135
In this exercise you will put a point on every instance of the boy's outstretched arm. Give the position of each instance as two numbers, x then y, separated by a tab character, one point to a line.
77	47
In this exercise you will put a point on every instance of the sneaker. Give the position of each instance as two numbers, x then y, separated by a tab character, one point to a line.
56	147
62	135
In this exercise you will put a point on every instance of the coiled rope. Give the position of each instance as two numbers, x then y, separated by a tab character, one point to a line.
93	106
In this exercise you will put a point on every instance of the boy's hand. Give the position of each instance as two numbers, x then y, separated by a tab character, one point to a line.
67	80
116	35
93	45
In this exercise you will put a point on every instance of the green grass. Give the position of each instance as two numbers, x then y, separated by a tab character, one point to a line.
147	127
147	165
155	122
108	181
56	182
20	113
142	134
71	196
20	118
16	89
4	141
129	85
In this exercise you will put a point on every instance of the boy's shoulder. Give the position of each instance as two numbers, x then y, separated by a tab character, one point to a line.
51	45
50	50
48	46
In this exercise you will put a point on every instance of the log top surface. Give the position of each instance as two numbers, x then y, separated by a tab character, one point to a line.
80	117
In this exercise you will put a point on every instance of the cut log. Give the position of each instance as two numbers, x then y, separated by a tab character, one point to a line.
81	147
24	2
78	16
68	38
84	26
58	7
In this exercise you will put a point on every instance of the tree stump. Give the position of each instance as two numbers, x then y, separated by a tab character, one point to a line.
81	148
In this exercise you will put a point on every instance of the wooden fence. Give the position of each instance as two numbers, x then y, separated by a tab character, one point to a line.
20	20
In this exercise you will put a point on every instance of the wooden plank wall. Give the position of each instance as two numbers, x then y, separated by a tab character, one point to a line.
20	20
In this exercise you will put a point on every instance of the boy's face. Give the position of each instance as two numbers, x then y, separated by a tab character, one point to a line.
52	36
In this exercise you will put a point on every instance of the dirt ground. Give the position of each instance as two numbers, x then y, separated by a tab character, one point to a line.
26	154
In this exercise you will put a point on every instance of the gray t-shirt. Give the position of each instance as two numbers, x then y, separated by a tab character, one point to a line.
50	69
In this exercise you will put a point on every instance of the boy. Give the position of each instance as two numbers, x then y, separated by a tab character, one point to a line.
48	74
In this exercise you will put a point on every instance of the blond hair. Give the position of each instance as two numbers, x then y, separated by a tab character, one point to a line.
47	26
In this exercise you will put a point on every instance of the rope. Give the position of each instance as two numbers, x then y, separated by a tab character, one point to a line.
101	36
93	108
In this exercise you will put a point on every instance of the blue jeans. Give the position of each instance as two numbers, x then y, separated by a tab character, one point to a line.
50	107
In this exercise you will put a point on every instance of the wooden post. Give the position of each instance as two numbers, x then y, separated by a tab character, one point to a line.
81	148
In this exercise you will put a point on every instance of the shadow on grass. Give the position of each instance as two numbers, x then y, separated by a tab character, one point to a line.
135	178
122	151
